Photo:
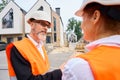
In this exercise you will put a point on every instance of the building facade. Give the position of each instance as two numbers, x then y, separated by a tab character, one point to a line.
14	26
11	23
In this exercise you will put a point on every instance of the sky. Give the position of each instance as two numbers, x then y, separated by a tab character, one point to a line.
67	7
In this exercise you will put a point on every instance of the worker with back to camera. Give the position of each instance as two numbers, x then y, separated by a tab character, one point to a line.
101	28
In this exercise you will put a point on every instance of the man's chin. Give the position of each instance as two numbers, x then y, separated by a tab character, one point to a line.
42	38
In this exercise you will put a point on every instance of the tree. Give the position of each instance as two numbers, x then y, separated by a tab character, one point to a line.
4	3
74	25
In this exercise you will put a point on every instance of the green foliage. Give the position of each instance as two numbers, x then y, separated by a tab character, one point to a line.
3	4
74	24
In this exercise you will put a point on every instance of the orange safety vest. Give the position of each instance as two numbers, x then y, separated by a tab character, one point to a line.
104	62
30	53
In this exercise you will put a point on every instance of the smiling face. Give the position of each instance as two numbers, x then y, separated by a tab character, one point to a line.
39	30
97	22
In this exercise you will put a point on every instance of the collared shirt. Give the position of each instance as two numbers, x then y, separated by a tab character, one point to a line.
38	45
78	68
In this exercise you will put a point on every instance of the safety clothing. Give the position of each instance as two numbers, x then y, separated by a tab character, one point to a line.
104	62
103	2
29	53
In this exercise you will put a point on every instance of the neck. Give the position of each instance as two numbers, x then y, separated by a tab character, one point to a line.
34	37
104	35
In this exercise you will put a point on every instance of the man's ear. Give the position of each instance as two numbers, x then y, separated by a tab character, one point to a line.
96	16
32	24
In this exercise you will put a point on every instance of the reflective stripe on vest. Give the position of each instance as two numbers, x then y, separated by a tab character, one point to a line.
30	53
104	62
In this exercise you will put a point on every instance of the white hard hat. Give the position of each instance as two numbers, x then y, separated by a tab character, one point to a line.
40	15
103	2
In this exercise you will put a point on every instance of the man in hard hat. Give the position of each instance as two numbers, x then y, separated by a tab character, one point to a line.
27	58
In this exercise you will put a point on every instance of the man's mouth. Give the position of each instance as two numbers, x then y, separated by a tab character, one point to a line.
42	35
